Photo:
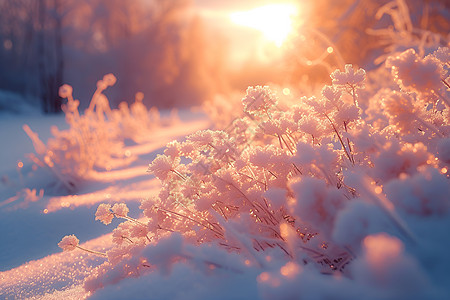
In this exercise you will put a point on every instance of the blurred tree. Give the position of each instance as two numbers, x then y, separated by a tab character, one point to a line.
361	32
32	53
158	47
17	34
50	54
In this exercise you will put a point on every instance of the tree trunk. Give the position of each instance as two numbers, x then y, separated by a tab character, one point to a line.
41	57
51	60
59	57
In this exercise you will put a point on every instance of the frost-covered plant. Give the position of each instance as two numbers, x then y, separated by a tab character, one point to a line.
422	101
90	142
136	122
95	139
290	193
405	34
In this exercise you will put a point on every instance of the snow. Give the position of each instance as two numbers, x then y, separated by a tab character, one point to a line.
256	211
17	143
311	197
384	246
31	263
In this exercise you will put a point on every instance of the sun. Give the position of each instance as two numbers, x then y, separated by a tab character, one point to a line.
273	20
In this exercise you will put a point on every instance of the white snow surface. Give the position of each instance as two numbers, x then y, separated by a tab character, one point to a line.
31	263
33	267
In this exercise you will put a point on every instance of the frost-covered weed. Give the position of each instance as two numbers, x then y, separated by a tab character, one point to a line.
403	34
291	193
95	139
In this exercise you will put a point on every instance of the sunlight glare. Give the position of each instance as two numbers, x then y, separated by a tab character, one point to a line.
273	20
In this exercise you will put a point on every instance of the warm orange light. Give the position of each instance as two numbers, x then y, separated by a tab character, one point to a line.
378	190
20	164
286	91
290	270
48	161
381	248
273	20
264	276
284	230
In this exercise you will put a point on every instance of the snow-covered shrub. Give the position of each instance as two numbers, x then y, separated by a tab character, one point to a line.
286	194
135	122
95	139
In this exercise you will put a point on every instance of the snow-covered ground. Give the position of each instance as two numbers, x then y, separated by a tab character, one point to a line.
31	263
340	196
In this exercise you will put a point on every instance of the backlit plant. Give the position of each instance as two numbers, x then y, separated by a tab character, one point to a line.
288	193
